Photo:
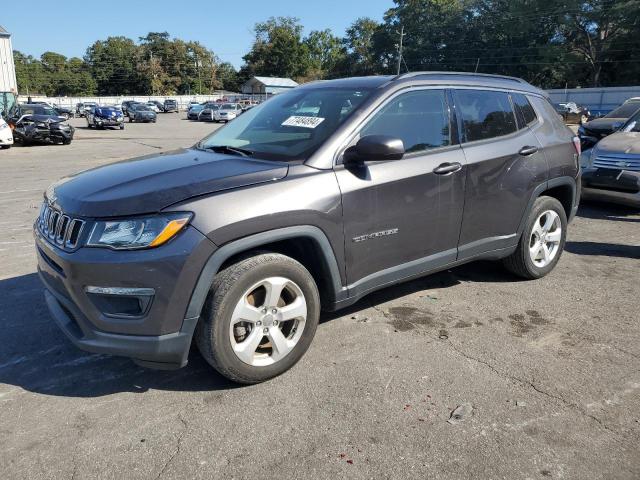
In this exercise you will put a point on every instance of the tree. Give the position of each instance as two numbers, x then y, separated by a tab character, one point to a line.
361	55
278	50
596	31
114	66
325	52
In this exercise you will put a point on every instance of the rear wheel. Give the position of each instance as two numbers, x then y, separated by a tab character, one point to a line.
259	319
542	240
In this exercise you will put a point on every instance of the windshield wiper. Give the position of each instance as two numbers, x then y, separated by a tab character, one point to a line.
227	149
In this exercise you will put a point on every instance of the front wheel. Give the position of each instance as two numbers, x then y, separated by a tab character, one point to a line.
542	240
259	319
122	126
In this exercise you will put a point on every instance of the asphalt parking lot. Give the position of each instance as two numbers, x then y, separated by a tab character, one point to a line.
551	368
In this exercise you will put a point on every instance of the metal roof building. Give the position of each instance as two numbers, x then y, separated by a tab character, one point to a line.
7	67
267	85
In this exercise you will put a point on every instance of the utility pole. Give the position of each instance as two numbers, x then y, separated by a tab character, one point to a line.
402	34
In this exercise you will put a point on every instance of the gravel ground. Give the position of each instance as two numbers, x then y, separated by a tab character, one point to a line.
550	369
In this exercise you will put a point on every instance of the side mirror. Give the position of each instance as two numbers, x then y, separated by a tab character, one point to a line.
374	147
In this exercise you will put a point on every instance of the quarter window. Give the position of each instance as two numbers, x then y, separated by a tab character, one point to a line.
526	113
485	114
419	118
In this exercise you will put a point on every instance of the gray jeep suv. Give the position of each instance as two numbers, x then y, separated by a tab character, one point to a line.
308	201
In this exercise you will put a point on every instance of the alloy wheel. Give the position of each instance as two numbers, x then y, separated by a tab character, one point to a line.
546	236
268	321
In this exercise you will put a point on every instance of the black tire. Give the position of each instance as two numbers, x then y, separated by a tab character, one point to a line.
5	147
122	126
519	262
66	141
130	120
229	285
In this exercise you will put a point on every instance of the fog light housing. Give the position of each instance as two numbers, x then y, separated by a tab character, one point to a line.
121	302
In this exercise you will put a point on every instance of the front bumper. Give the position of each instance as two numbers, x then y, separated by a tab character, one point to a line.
161	336
108	122
616	186
6	138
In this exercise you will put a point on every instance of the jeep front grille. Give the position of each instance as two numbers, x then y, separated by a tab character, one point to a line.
618	162
59	228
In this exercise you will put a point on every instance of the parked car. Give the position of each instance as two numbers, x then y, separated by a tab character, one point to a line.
192	103
572	113
239	241
159	105
6	136
103	116
141	112
170	105
194	111
39	123
153	106
61	111
611	169
227	112
592	132
126	105
208	112
82	108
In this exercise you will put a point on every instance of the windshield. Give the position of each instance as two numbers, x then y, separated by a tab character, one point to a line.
291	125
624	111
633	124
141	108
228	106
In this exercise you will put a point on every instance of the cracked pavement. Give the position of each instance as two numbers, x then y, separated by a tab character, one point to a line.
551	367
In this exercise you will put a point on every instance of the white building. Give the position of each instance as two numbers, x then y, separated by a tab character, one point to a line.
7	67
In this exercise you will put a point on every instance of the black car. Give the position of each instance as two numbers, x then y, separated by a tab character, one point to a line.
39	123
592	132
105	116
61	111
158	104
126	105
140	112
572	113
170	105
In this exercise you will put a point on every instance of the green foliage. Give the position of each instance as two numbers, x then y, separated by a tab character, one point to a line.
551	43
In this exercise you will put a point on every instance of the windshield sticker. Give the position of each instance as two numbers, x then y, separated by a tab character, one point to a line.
304	122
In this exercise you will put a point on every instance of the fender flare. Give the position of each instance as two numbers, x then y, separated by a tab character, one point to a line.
552	183
215	261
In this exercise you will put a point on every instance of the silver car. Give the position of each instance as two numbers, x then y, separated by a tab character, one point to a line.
227	112
611	169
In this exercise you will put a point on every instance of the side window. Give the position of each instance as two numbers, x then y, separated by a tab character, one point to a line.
419	118
485	114
526	113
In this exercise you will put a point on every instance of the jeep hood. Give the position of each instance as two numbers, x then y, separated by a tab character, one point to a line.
149	184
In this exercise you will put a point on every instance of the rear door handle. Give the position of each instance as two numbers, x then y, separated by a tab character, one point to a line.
445	168
528	150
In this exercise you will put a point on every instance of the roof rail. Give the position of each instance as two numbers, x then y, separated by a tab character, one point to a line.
467	74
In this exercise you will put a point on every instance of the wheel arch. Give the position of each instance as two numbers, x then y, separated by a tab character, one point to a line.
562	189
306	244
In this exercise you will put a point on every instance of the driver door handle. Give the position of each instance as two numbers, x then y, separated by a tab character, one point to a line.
447	167
528	150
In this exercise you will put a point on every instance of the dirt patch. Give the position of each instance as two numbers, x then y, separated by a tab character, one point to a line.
408	318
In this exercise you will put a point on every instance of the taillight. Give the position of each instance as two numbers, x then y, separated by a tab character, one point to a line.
576	144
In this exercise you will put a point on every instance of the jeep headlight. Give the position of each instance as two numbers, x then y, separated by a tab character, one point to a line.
138	232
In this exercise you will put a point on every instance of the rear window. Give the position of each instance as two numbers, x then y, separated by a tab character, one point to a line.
525	112
624	111
485	114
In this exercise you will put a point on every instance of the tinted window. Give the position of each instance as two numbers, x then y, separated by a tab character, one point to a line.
420	119
485	114
625	110
525	111
283	128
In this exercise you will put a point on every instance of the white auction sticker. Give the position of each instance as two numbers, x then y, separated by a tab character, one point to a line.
304	122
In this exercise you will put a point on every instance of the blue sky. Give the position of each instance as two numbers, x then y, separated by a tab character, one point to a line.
69	27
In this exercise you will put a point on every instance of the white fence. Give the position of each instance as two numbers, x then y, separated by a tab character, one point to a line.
183	100
598	100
